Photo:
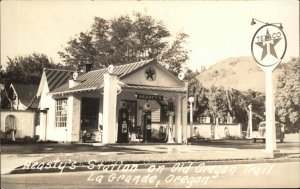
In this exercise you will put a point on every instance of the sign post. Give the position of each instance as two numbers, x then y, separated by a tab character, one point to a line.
268	47
250	122
270	113
191	100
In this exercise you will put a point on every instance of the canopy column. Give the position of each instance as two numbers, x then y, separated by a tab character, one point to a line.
109	108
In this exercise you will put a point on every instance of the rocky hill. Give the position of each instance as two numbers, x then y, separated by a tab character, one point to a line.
240	73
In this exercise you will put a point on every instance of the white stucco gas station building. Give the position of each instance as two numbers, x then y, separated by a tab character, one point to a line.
112	105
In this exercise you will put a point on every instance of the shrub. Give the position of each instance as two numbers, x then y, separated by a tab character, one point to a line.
2	135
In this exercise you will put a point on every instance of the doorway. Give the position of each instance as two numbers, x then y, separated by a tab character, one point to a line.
89	119
10	126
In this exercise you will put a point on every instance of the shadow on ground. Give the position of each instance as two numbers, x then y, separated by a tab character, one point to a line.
62	148
244	144
129	148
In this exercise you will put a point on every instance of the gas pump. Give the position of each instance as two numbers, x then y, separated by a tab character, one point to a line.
123	124
147	123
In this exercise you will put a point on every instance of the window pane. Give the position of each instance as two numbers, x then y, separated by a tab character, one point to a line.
61	112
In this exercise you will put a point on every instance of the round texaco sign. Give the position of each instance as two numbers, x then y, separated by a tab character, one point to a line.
268	45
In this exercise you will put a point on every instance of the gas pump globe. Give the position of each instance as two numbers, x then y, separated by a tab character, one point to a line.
170	105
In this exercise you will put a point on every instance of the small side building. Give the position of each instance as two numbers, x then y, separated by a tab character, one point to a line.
24	96
21	118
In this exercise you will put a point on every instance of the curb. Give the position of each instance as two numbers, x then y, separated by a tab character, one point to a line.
99	166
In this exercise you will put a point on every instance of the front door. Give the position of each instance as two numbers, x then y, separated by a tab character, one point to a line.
89	119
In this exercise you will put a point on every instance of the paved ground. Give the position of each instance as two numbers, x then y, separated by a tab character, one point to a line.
13	156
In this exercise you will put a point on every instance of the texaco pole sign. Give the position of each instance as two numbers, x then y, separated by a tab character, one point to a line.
268	45
268	48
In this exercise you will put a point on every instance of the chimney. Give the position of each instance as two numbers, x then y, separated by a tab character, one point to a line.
88	67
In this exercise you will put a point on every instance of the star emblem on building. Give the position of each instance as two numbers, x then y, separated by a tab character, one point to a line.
150	73
268	45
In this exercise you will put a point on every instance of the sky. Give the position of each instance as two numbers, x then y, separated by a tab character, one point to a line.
216	29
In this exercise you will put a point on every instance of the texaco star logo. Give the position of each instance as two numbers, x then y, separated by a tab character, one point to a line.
150	74
268	45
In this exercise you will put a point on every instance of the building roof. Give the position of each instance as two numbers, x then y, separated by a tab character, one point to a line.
56	77
27	94
93	80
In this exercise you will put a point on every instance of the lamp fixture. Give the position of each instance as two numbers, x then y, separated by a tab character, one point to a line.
253	23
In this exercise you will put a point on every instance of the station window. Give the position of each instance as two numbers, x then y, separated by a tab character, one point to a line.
61	113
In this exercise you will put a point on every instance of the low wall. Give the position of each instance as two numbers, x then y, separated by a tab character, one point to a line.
216	132
23	120
158	131
230	130
202	130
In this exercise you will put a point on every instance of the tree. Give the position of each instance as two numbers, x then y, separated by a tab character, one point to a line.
176	56
240	102
81	51
124	40
287	97
196	89
218	102
217	105
27	69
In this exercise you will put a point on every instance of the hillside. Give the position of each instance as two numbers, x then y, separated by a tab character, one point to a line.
240	73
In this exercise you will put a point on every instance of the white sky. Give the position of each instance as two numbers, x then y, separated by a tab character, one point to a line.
217	29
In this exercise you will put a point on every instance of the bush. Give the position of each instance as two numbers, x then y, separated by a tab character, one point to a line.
36	137
25	140
2	135
7	141
28	139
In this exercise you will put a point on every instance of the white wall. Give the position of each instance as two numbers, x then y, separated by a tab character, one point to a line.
24	121
44	103
47	123
234	130
70	133
206	131
73	118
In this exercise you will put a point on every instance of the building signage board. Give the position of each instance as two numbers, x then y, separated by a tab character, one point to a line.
268	47
149	97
